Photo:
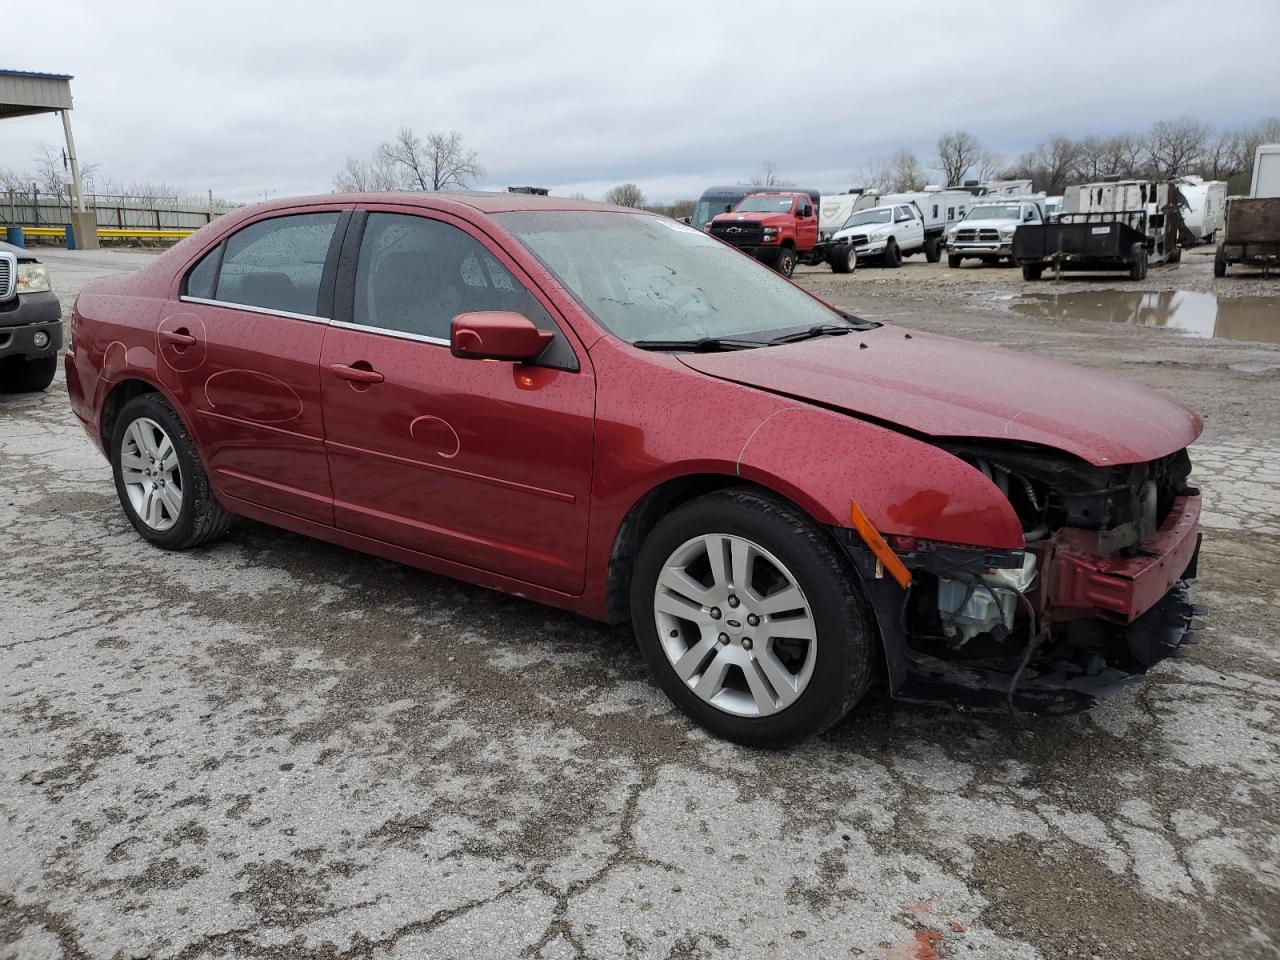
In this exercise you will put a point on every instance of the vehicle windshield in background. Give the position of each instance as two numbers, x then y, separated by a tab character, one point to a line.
993	212
648	278
864	217
706	209
764	205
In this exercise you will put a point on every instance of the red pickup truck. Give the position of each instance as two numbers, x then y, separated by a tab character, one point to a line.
777	228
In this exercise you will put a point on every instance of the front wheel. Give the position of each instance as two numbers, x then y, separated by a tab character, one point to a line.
751	620
843	258
161	482
892	254
954	261
787	261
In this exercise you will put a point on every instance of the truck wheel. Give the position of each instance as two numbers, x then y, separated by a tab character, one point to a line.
787	261
892	254
1219	265
954	261
27	376
933	249
751	619
160	480
843	258
1032	271
1137	262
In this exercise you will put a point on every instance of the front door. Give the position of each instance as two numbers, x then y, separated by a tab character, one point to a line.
241	353
487	464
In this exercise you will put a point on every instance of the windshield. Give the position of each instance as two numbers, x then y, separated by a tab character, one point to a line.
993	212
764	205
648	278
706	209
864	217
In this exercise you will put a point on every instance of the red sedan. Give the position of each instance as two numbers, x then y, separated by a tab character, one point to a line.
605	410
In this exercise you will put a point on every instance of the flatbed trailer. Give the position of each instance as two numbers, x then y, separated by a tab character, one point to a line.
1251	234
1084	241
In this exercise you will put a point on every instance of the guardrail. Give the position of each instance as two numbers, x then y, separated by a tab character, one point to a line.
112	233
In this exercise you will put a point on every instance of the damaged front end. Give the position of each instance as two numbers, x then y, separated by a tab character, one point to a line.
1097	595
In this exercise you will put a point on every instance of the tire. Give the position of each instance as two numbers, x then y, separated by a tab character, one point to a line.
933	249
831	672
1219	266
892	257
787	261
1032	271
843	258
20	375
138	452
1137	262
954	261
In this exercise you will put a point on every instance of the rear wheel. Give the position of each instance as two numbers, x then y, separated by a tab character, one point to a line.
161	482
1219	265
750	619
20	375
892	254
933	249
954	261
787	261
843	258
1137	262
1032	271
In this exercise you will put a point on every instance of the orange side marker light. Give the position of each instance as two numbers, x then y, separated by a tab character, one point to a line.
883	552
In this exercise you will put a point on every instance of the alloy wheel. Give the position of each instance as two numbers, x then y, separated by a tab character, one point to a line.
151	475
735	625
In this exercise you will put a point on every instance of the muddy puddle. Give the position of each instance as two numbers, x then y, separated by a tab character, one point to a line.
1190	313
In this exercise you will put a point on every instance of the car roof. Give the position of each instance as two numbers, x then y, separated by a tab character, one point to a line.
483	202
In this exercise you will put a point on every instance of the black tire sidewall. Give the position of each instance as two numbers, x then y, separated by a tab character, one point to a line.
154	407
787	261
27	375
843	666
892	254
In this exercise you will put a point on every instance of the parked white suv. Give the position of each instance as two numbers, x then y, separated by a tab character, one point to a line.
888	233
986	232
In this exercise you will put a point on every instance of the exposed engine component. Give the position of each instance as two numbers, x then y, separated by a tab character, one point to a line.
987	604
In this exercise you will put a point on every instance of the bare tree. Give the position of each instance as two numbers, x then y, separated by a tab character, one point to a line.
359	176
1266	130
873	174
905	172
440	162
1178	145
769	177
958	151
625	195
988	165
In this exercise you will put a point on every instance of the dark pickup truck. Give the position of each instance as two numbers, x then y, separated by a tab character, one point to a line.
30	322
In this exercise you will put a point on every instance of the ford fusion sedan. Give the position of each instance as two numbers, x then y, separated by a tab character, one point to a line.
613	413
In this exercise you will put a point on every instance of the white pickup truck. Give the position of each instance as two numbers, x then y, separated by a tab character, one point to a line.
986	232
887	233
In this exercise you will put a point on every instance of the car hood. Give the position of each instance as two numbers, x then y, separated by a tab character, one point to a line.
943	387
871	230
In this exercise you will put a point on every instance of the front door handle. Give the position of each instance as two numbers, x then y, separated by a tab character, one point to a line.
345	371
179	337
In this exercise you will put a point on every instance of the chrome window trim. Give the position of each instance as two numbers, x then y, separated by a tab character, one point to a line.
384	331
266	311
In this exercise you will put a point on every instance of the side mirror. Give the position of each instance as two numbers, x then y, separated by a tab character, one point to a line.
497	335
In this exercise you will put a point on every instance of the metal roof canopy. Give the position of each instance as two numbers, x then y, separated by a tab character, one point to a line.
25	93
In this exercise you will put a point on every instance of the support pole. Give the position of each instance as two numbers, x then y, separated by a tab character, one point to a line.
84	225
76	186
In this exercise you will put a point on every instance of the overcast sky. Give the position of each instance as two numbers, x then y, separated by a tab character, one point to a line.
243	98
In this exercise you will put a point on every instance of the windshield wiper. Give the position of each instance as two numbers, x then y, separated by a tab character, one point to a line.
820	330
701	345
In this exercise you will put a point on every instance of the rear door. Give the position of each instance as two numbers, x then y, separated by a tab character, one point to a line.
240	350
909	227
487	464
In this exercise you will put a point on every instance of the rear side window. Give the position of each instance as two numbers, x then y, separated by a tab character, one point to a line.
277	264
415	275
203	278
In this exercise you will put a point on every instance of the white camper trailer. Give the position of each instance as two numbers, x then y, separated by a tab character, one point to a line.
1204	203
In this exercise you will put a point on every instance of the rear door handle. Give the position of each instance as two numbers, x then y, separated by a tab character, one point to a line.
345	371
178	337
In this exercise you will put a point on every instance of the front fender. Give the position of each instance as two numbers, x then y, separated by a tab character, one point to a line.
822	460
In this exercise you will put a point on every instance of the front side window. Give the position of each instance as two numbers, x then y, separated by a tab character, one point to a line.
415	275
277	264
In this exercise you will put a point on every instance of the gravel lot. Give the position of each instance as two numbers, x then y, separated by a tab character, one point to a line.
276	748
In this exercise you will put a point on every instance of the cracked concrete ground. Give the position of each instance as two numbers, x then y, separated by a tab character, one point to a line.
271	747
